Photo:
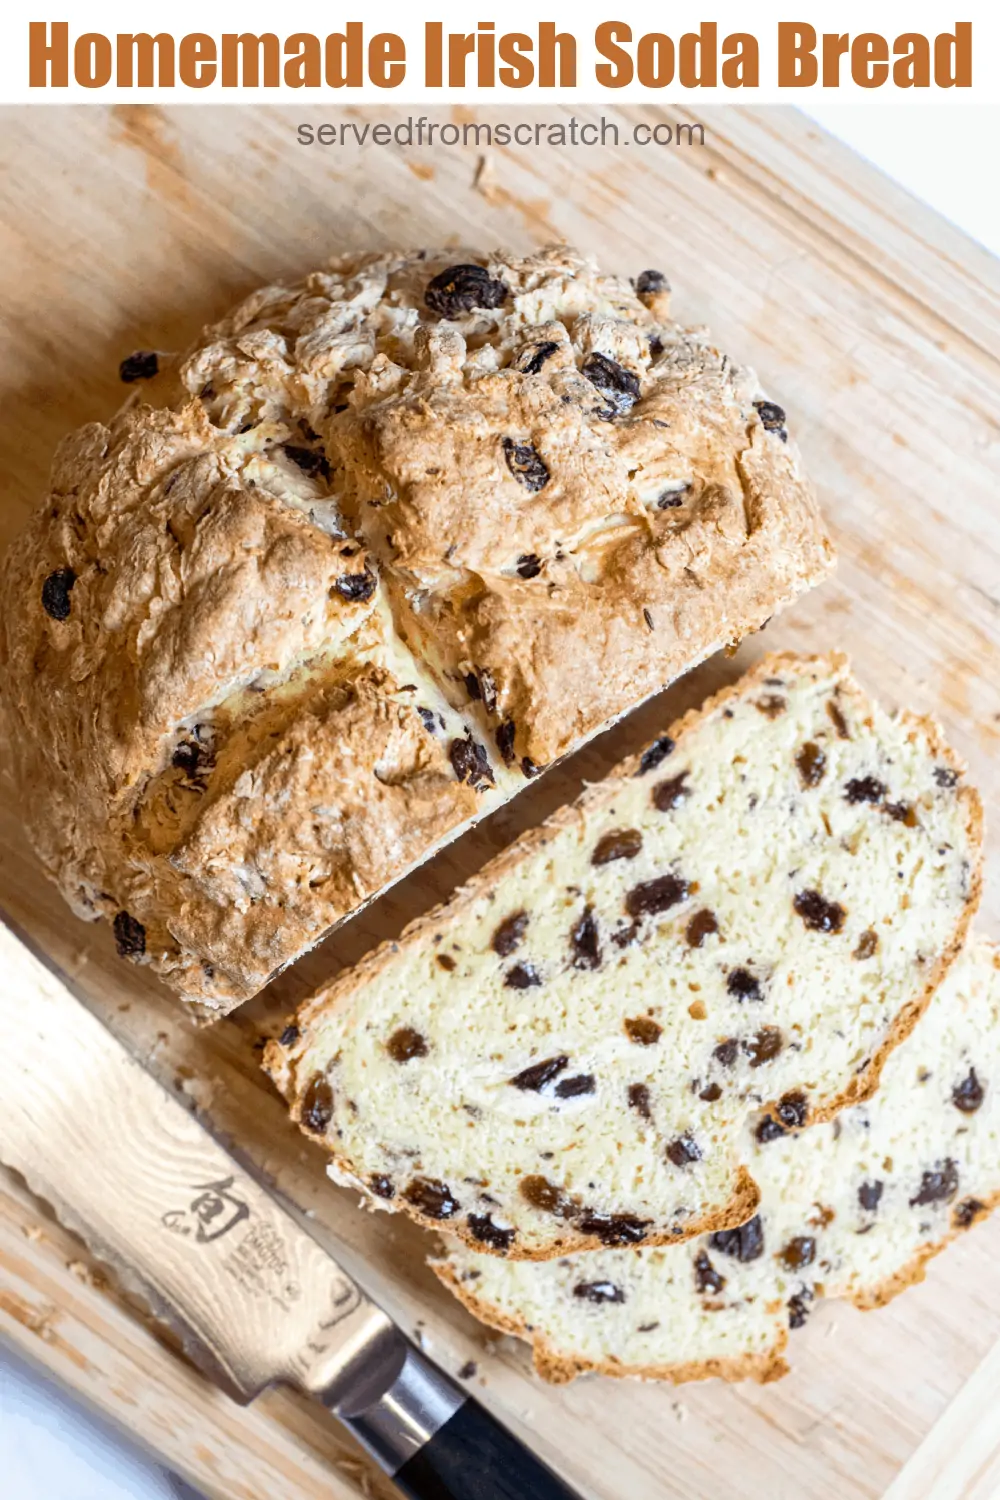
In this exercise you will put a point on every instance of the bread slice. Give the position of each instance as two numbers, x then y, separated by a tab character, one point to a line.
752	913
852	1208
380	546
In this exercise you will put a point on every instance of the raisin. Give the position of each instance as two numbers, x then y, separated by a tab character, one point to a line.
798	1311
937	1185
969	1094
289	1036
446	962
317	1105
505	741
459	289
771	706
572	1088
655	753
653	896
483	1229
406	1043
509	934
711	1092
746	1242
837	719
531	360
432	1197
528	767
811	764
142	365
382	1187
799	1252
539	1074
623	937
615	1229
191	758
772	417
867	945
308	460
870	1194
620	843
472	687
522	977
470	762
130	935
643	1030
56	591
903	812
792	1110
967	1212
818	913
356	588
742	985
527	466
764	1046
945	776
427	715
528	565
768	1130
585	942
648	283
639	1100
618	386
544	1195
683	1151
598	1291
706	1277
670	794
701	926
726	1051
865	789
671	499
469	1370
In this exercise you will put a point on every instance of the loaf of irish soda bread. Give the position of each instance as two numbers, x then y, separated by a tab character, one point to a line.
384	544
852	1208
750	914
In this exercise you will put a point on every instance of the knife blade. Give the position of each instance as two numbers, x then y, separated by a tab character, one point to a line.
253	1297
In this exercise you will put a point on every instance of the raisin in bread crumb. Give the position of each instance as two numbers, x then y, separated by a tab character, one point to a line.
709	931
350	571
852	1208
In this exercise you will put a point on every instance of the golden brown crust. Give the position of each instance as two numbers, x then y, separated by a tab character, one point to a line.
205	529
557	1369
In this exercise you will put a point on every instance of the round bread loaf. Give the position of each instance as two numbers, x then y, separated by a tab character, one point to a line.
853	1208
750	914
377	549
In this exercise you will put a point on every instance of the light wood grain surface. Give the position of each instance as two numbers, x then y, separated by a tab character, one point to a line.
878	326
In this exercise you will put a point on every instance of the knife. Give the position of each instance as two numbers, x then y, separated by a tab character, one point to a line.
253	1297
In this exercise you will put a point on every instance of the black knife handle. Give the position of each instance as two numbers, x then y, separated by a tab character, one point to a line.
431	1437
472	1457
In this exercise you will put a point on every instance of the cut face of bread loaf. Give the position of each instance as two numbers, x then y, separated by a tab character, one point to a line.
387	543
852	1208
750	914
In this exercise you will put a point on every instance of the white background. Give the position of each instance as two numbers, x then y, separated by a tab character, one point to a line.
50	1450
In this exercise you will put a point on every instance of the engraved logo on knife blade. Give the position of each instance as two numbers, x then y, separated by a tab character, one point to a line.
213	1213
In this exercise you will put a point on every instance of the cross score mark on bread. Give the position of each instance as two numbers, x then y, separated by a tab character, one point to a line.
378	548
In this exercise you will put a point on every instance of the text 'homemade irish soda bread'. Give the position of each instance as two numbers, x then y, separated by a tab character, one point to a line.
852	1208
399	536
752	913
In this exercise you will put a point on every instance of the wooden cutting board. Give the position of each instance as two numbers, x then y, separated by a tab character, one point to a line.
878	325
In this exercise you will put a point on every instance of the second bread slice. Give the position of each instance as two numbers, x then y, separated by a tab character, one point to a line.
753	913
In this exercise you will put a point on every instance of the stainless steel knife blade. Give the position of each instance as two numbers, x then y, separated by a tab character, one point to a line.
253	1297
